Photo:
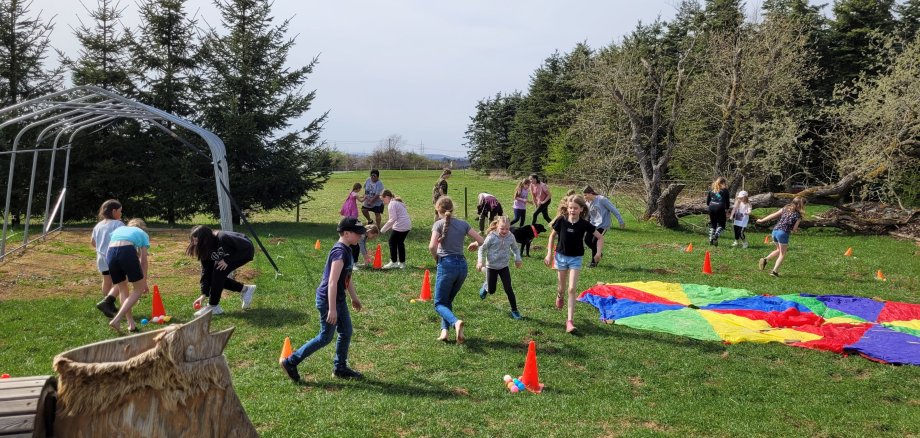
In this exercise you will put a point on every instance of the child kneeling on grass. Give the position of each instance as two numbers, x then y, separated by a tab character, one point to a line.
332	307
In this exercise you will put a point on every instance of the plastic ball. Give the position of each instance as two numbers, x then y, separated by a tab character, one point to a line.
5	376
515	389
519	384
197	305
412	300
507	378
144	321
167	318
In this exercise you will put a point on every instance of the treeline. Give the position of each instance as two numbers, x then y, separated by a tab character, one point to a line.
234	80
787	99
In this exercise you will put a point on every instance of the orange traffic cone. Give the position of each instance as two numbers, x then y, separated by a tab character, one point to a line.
689	248
158	309
316	245
766	239
425	294
707	264
286	349
849	252
531	377
879	276
378	261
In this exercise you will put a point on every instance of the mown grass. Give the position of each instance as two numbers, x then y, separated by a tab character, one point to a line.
607	380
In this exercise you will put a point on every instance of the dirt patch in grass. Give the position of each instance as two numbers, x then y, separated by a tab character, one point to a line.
65	265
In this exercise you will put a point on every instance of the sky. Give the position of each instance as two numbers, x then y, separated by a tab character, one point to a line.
413	68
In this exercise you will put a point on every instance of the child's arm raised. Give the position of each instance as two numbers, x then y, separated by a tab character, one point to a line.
770	217
335	270
477	239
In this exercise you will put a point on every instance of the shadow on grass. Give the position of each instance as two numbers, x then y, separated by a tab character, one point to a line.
424	389
270	317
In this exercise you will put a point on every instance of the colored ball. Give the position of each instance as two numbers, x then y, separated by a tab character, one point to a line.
412	300
144	321
167	318
515	389
5	376
197	305
507	378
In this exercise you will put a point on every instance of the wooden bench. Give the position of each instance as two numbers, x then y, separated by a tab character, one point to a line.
27	406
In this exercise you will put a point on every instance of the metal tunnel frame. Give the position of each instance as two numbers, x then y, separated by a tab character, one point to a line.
75	110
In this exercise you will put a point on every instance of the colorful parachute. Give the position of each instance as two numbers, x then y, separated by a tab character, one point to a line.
884	331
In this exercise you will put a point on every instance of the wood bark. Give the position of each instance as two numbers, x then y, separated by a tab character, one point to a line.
666	214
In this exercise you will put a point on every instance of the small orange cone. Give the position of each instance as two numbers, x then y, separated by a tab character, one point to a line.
689	248
531	377
849	252
425	294
286	348
158	309
707	264
378	261
880	276
766	239
316	245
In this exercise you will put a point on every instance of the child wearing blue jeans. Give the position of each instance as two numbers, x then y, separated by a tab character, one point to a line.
330	302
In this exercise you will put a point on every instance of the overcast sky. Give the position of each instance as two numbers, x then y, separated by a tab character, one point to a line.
414	68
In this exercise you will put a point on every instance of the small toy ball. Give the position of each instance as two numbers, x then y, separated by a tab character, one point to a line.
412	300
5	376
166	318
520	385
158	319
144	321
515	389
507	378
197	305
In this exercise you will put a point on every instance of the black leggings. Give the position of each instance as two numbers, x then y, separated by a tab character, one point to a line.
505	274
591	241
355	252
214	281
542	208
398	246
717	218
490	213
739	233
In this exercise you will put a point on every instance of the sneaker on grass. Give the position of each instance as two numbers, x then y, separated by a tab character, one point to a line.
107	307
248	290
290	370
215	310
347	373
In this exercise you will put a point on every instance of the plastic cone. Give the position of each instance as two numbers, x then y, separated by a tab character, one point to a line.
425	294
286	348
707	264
849	252
158	309
378	261
766	239
531	377
689	248
316	245
880	276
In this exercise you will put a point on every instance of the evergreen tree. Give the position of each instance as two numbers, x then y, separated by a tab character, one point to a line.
908	20
249	96
104	58
489	132
723	15
165	56
854	28
24	46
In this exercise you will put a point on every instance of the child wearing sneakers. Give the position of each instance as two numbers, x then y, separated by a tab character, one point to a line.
360	250
498	246
398	220
220	253
741	213
789	218
332	307
571	230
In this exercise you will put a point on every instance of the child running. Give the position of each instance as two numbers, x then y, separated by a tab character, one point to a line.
446	246
220	253
789	218
741	213
127	260
371	233
498	246
571	230
520	202
540	197
599	211
350	206
398	220
333	309
717	203
109	220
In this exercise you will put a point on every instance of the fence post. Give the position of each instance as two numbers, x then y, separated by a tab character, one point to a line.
466	213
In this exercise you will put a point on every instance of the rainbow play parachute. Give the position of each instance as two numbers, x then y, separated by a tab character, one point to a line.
884	331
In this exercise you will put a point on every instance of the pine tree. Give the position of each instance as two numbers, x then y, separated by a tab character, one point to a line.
249	97
488	134
723	15
854	28
104	58
24	47
908	20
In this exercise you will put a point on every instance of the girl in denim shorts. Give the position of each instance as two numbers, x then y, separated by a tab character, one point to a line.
571	229
789	218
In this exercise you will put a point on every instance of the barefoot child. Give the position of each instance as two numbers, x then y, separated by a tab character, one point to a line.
398	220
127	260
571	230
789	218
332	307
498	247
350	206
741	213
446	246
109	220
220	253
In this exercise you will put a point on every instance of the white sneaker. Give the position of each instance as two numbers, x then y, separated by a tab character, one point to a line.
391	265
744	244
215	310
734	244
248	290
356	268
401	265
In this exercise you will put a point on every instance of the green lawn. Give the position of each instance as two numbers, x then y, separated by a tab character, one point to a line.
607	380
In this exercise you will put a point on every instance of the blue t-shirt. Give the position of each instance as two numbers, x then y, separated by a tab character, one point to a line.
339	251
135	235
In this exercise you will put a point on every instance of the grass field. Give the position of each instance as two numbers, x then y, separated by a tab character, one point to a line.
607	380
